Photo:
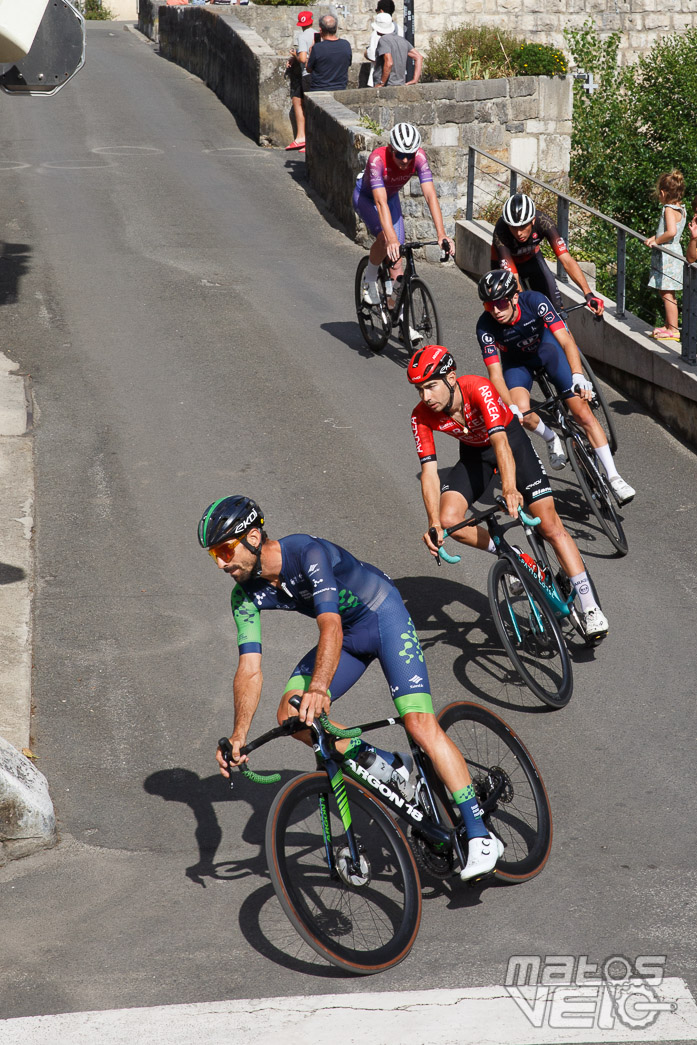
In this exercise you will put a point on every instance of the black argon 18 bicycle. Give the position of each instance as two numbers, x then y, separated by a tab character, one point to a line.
341	865
527	605
598	403
590	474
413	310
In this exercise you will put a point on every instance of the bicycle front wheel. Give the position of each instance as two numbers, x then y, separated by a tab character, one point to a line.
602	410
566	588
596	490
363	919
420	325
374	320
508	786
530	634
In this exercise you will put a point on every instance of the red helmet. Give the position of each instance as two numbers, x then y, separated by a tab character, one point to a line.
428	363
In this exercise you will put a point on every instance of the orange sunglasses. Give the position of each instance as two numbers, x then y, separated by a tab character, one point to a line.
224	551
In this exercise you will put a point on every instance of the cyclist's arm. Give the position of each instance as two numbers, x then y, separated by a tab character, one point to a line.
506	466
418	60
331	636
430	491
575	272
391	238
494	372
247	692
571	352
431	197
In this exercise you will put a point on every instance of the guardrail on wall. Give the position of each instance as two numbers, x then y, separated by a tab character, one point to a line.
564	202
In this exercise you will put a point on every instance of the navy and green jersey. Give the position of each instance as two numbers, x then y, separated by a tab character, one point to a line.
316	577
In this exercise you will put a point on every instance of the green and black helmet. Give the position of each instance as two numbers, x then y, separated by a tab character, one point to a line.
227	518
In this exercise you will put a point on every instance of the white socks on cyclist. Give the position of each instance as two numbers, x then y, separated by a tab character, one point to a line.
604	455
584	591
371	272
546	432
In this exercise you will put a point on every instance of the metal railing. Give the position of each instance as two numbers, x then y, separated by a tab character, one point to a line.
564	202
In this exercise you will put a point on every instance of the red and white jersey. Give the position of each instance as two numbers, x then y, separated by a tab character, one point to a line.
484	411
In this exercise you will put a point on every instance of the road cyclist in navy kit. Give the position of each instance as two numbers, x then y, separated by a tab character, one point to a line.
361	617
470	409
519	332
376	201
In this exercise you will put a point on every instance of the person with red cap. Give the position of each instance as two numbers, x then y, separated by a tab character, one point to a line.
298	75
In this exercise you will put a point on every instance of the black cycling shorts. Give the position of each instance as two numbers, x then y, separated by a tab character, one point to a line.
474	472
536	274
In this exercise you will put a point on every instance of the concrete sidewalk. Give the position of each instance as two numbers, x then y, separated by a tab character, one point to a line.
27	821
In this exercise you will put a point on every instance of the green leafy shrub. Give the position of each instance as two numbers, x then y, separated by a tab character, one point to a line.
638	124
538	60
95	10
470	52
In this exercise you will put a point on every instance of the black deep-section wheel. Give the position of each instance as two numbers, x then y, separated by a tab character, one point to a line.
363	919
374	320
596	490
530	634
420	316
508	787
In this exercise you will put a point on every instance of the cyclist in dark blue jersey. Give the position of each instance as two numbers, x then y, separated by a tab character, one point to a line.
521	331
361	617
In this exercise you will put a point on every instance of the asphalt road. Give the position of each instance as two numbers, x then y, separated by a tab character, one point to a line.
185	310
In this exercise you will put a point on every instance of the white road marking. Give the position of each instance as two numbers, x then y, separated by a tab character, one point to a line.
472	1016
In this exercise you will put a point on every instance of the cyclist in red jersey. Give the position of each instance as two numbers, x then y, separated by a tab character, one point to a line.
518	235
491	438
376	201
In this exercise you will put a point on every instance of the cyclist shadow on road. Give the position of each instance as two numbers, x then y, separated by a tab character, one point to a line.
349	334
202	794
261	920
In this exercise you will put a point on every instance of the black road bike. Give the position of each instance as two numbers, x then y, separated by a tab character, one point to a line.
598	403
344	848
413	310
530	598
590	474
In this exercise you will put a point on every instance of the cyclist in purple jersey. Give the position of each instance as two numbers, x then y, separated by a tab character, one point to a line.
376	201
360	617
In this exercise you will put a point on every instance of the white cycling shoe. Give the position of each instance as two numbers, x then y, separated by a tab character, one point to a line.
371	292
595	623
555	452
622	491
482	856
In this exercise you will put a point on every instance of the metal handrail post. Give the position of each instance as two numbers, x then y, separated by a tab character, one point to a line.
471	167
689	315
563	226
513	182
621	270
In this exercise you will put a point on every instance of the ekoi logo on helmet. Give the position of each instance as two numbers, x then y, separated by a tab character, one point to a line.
428	363
243	526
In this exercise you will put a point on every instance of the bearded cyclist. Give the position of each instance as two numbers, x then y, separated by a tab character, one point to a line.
361	618
518	332
376	201
491	439
516	242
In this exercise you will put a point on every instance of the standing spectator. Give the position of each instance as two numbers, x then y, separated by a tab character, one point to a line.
666	272
330	58
386	6
392	51
298	74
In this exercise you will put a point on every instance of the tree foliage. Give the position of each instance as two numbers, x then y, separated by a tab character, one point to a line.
638	124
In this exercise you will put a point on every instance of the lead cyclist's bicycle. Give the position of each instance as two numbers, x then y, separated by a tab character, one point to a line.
413	309
340	863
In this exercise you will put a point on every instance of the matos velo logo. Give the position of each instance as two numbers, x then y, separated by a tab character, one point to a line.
566	992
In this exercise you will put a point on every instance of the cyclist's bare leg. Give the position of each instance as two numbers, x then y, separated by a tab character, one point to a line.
378	253
445	756
586	418
286	710
553	530
453	508
521	398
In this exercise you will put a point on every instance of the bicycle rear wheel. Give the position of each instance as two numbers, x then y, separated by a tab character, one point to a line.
508	786
363	922
419	316
595	489
601	409
374	320
530	634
